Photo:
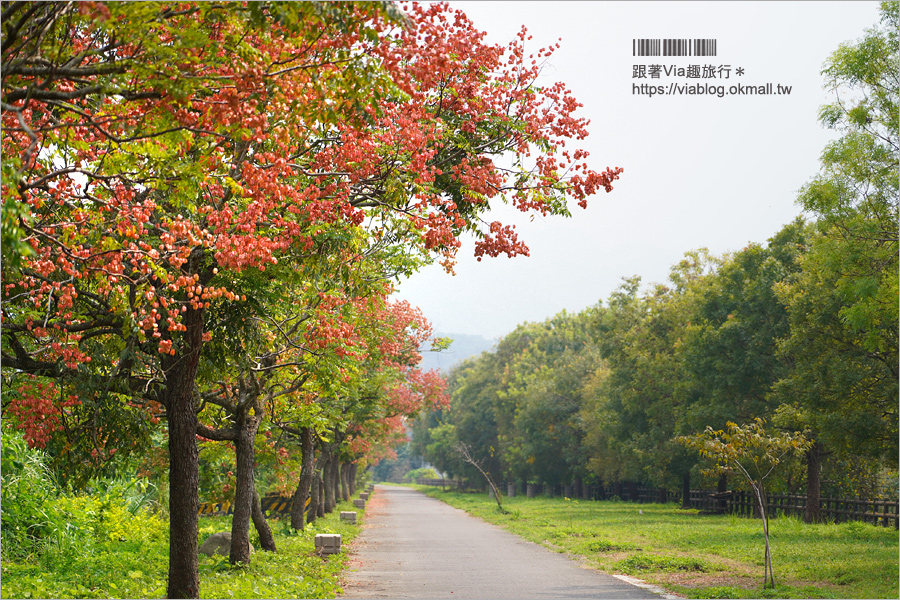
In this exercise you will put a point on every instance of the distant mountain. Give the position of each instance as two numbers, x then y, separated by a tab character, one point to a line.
463	347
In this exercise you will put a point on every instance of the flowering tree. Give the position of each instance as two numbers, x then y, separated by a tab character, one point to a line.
293	342
359	402
393	388
160	161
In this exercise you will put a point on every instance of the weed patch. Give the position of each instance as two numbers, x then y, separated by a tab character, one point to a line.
640	563
605	546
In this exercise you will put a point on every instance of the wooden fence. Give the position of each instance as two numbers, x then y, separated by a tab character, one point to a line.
878	512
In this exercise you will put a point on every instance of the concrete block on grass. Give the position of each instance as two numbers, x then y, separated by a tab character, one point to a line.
359	503
348	516
328	543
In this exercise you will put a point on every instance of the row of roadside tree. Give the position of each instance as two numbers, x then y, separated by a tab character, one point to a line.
205	206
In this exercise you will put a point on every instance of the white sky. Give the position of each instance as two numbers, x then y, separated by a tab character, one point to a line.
700	171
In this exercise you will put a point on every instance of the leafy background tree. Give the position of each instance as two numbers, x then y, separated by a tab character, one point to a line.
842	305
800	331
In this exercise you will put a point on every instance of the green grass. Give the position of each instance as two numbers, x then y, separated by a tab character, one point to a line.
132	562
295	571
702	556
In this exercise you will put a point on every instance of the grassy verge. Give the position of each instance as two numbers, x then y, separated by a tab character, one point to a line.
132	562
701	556
295	571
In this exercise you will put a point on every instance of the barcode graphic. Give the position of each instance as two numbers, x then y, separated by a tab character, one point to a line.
673	47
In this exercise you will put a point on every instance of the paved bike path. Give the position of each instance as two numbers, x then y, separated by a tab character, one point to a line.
414	546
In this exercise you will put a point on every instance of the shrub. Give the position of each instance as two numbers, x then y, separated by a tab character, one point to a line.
100	545
29	491
422	473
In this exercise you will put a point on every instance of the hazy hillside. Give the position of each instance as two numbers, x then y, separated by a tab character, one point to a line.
463	347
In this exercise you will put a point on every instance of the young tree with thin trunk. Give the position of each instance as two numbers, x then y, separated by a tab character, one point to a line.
753	454
466	454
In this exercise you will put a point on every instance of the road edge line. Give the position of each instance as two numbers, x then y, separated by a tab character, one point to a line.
649	587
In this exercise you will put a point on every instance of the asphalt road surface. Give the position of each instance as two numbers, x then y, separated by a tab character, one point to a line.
414	546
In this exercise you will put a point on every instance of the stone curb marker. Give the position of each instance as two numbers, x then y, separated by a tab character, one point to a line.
328	543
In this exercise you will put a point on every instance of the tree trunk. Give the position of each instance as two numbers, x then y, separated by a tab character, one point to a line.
345	481
314	494
184	472
768	573
686	490
320	507
266	539
327	482
334	480
633	491
722	487
307	469
353	470
813	514
246	419
244	487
